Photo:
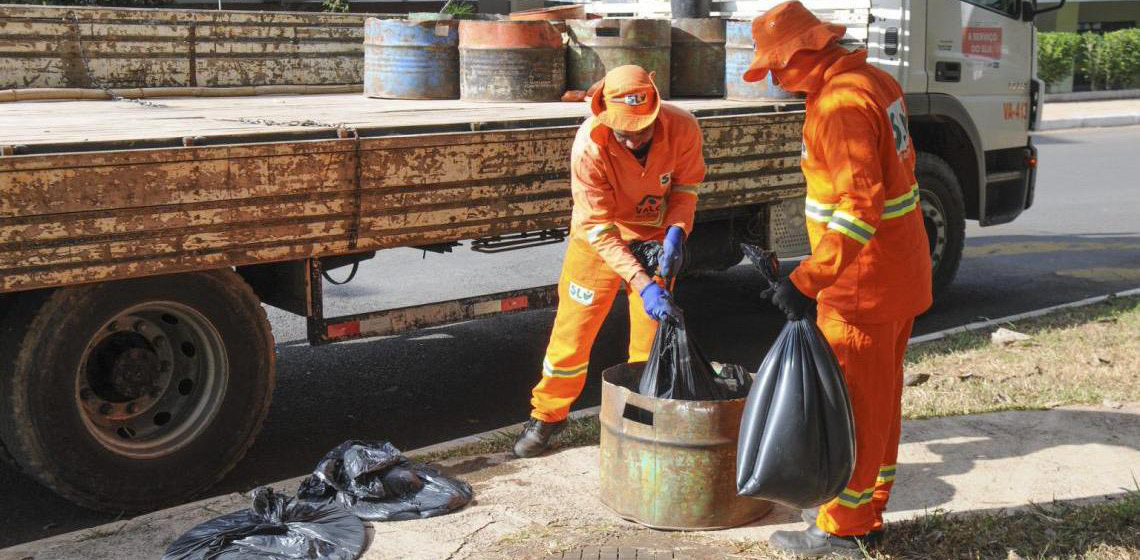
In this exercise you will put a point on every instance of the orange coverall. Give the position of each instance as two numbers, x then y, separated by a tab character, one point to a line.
870	262
616	200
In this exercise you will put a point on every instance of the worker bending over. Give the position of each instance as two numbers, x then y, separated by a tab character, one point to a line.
869	269
634	170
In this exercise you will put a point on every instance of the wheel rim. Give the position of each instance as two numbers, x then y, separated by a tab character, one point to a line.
934	220
151	380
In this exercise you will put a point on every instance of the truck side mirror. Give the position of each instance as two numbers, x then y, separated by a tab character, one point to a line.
1028	10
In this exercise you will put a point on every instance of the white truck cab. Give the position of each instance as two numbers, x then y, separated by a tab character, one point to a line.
969	72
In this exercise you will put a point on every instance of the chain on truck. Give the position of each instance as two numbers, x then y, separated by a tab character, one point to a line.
138	241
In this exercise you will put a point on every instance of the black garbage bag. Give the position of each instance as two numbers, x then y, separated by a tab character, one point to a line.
797	435
647	253
276	527
677	369
377	483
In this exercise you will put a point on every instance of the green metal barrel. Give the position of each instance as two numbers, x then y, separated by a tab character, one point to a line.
670	464
698	57
597	46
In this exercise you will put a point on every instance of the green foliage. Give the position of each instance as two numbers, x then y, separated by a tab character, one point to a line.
1056	55
1106	61
338	6
459	8
1121	64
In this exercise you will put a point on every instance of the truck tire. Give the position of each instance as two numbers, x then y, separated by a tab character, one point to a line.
944	215
134	395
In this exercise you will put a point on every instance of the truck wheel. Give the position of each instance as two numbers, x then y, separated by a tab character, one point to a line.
133	395
943	214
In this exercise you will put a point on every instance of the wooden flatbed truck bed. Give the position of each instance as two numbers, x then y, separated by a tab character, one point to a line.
138	240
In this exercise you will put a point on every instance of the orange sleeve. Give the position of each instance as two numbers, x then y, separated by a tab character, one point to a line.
688	172
850	150
594	202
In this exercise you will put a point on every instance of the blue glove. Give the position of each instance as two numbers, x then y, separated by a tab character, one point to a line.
657	301
672	252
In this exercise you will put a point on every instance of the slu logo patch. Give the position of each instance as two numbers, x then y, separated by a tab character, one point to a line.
582	295
665	178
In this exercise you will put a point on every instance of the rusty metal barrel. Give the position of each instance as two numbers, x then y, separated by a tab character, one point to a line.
670	464
697	59
409	59
739	50
599	45
511	61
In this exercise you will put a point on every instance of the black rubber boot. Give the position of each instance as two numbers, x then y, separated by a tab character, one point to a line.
815	542
534	439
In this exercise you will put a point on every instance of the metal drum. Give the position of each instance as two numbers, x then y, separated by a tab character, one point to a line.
600	45
556	13
511	61
697	60
406	59
739	50
670	464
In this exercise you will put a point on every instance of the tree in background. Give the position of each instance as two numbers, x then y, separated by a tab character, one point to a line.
1056	56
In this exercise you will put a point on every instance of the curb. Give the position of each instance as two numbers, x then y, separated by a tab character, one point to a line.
1076	96
1011	318
229	501
1089	122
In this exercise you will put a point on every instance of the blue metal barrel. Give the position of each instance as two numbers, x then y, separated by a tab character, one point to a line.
739	50
411	59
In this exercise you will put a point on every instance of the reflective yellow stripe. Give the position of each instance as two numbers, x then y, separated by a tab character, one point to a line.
901	205
687	189
550	371
886	474
853	498
851	226
819	211
593	233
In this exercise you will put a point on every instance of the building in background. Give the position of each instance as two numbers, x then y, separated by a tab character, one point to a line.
1090	15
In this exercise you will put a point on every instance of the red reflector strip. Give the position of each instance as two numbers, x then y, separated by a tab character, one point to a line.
517	302
340	330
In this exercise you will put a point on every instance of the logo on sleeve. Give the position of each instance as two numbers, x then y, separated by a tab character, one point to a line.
665	178
580	294
896	114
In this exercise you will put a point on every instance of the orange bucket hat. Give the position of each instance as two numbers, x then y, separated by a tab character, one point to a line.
626	99
782	32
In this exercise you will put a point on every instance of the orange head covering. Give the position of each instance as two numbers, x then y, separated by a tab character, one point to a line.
626	99
782	32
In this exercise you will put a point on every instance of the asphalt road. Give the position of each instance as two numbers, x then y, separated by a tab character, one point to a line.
1081	238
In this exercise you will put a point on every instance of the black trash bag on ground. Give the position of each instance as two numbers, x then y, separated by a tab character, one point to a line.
797	435
276	527
677	369
377	483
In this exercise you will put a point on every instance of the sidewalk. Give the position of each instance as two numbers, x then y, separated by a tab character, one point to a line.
543	508
1090	114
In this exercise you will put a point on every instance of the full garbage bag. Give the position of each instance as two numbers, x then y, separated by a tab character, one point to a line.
677	369
276	527
797	435
377	483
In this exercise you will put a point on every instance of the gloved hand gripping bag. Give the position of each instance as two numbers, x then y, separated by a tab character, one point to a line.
276	527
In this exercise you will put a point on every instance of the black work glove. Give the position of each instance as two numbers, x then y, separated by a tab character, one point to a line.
789	299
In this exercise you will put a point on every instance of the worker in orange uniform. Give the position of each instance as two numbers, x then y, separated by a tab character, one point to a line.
869	269
634	170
